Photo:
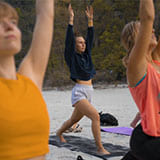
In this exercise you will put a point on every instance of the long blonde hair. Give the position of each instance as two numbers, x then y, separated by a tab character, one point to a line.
128	37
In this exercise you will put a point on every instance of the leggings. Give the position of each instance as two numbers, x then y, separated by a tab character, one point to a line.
143	146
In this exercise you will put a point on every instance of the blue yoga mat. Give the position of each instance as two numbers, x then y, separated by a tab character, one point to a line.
119	130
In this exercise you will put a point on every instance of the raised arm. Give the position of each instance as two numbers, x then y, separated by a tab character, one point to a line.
90	32
70	40
137	64
35	62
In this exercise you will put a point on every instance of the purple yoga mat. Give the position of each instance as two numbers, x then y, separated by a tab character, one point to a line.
119	130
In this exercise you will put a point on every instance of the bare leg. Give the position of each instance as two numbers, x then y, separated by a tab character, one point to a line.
85	108
75	117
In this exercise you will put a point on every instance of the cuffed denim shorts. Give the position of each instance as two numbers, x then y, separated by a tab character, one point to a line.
81	91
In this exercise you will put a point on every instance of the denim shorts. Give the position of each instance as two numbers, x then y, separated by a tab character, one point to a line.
81	91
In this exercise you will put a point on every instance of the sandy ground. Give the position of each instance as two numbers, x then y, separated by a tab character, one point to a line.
116	101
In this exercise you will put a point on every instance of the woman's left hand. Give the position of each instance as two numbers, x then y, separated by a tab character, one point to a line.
89	12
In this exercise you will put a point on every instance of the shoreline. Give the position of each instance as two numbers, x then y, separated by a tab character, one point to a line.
99	85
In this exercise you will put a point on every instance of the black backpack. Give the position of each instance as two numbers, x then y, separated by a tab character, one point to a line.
79	157
107	119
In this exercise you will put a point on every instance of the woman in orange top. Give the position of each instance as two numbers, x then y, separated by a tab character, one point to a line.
143	75
24	121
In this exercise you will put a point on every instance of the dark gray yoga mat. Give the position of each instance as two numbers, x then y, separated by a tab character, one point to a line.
85	145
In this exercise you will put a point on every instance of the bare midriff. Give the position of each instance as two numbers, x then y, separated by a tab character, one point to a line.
89	82
37	158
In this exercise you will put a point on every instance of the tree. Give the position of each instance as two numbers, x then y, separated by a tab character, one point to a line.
110	16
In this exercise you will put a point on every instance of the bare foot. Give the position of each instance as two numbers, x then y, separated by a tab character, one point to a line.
103	151
61	137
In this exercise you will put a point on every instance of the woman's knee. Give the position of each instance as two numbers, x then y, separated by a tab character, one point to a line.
95	117
73	120
69	122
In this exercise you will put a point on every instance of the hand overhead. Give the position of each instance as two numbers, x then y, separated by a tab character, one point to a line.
89	12
71	13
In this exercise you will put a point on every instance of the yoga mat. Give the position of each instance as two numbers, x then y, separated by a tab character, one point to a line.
85	145
119	130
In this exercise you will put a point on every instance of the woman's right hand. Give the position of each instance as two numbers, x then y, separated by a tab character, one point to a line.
71	13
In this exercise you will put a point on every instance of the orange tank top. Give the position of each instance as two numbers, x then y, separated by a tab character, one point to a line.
147	97
24	120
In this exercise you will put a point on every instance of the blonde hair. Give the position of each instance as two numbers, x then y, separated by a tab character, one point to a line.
7	10
128	37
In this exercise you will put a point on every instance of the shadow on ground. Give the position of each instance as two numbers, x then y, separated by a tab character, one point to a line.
85	145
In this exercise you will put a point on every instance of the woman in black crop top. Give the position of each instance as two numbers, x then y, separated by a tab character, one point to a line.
78	58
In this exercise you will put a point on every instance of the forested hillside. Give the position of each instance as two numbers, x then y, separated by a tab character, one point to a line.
109	18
